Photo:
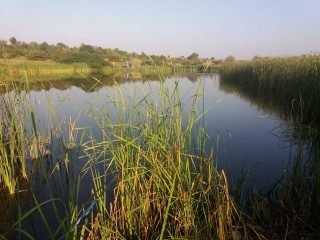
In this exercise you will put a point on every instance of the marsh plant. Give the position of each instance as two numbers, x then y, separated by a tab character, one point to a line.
293	80
289	208
12	140
164	182
150	174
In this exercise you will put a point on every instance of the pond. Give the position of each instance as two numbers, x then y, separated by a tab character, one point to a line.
246	134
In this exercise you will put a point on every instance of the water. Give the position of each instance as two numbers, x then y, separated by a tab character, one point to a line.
245	135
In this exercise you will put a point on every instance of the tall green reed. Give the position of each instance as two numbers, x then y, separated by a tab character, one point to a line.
152	185
38	168
13	140
289	208
151	175
293	80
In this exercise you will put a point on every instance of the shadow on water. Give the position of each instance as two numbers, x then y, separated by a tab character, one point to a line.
293	202
86	82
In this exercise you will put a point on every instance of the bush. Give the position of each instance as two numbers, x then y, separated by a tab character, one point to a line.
93	60
37	55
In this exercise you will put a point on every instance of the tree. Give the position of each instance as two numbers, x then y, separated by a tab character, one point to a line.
62	46
35	54
230	59
194	57
44	46
86	48
93	60
13	41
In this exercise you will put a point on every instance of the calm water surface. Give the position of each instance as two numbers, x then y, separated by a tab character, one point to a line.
244	135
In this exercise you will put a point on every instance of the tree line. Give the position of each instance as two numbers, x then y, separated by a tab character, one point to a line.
95	57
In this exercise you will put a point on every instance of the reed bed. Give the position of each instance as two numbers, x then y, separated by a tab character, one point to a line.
289	209
294	80
164	185
151	177
37	165
12	141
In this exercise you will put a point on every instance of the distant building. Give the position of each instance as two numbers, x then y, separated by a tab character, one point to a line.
127	64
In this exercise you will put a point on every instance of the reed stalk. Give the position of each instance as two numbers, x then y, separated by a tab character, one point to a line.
294	80
160	188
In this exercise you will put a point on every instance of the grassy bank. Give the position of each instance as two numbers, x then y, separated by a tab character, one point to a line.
40	69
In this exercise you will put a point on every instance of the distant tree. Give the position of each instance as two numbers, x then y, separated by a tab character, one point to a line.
194	57
13	41
230	59
36	54
215	61
218	61
33	45
62	46
93	60
86	48
44	46
15	52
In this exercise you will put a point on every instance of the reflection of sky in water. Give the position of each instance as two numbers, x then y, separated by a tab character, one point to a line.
244	136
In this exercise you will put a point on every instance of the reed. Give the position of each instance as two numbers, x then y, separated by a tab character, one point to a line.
151	177
36	159
295	79
159	180
290	207
12	140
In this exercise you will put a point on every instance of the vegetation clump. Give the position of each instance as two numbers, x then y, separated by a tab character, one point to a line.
294	80
289	208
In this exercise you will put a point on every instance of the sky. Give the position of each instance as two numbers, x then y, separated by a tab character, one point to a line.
211	28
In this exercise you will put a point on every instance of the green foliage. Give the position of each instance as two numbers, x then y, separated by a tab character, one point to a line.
296	79
64	54
37	55
230	59
86	48
194	59
13	41
161	189
93	60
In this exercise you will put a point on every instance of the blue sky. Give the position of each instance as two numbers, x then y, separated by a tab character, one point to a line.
211	28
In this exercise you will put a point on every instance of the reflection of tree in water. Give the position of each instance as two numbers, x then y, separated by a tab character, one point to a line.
268	103
89	82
